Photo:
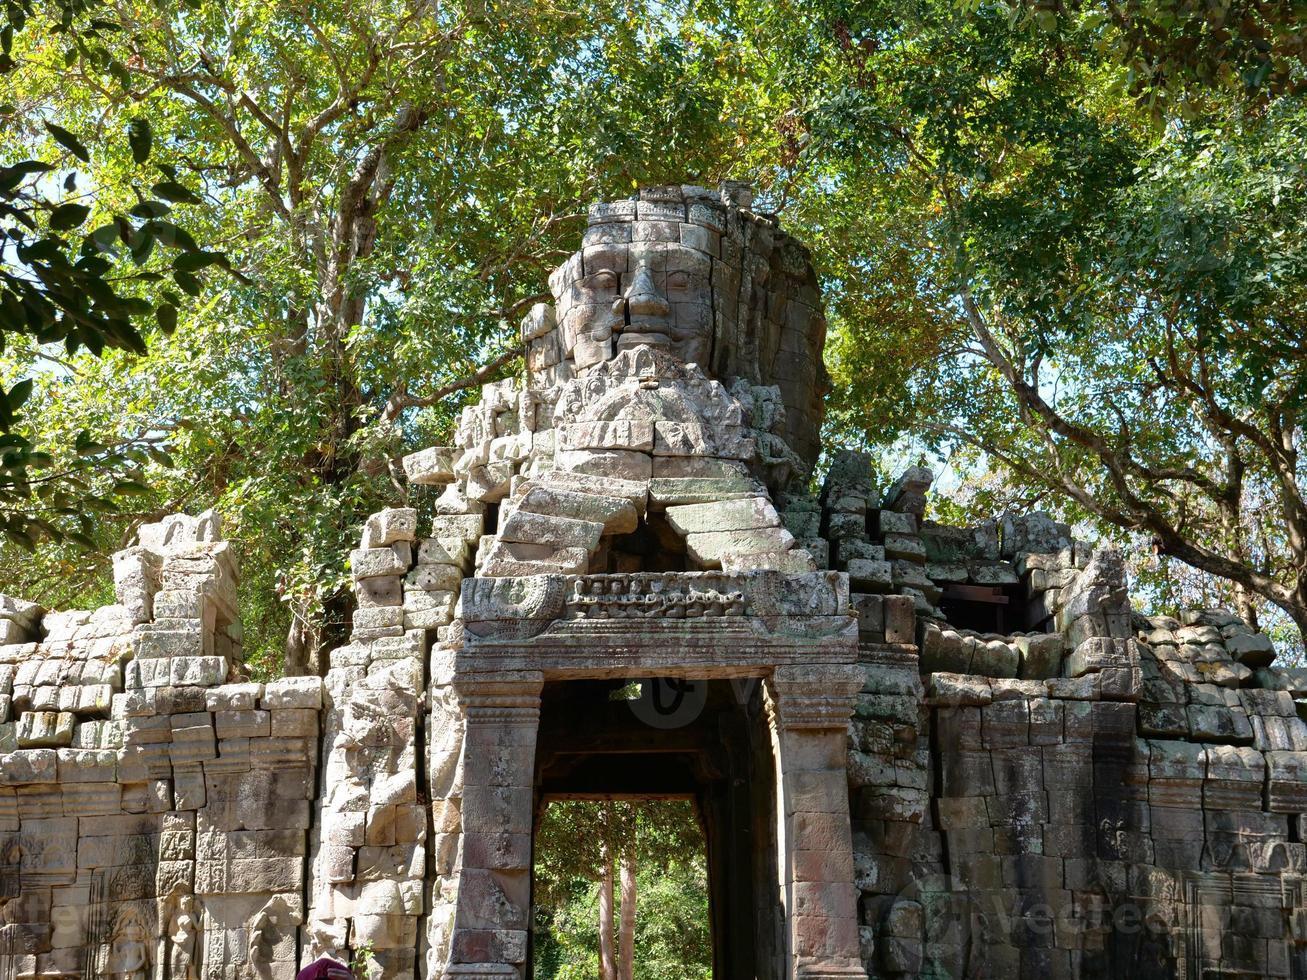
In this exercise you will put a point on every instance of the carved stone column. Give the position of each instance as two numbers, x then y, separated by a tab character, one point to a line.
494	896
810	708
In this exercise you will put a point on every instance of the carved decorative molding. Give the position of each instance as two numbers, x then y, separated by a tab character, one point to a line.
817	696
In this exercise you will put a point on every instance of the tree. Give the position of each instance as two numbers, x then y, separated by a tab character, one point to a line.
582	849
1109	311
396	182
62	283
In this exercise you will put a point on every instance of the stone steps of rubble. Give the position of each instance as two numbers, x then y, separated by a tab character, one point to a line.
744	514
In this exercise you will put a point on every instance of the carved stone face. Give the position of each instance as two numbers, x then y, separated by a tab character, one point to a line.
701	277
614	296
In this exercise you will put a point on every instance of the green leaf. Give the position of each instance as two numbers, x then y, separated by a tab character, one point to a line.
68	141
166	314
188	283
170	190
195	261
105	237
139	137
68	216
19	394
11	176
173	236
150	209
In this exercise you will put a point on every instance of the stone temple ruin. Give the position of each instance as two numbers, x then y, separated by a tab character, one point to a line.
920	751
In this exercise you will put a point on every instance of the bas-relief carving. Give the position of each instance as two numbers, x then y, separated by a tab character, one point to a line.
128	955
176	959
270	931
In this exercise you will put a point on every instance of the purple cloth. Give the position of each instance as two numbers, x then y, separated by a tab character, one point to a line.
325	969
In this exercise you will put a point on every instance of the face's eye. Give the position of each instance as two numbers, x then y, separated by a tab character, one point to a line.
678	280
603	279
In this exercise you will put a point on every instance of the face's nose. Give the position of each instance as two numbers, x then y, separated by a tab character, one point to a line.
641	297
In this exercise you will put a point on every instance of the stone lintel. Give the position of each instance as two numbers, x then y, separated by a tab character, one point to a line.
709	654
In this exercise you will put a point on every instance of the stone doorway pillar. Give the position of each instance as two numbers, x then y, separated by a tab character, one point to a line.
809	708
493	917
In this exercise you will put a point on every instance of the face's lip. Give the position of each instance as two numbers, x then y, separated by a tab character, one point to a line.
646	325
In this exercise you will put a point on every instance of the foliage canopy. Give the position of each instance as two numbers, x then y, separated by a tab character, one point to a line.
1063	250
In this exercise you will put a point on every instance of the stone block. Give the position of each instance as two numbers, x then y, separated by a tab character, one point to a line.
621	464
870	610
433	466
995	658
1251	649
744	514
1286	782
233	697
707	548
1098	652
383	591
242	724
900	619
45	729
293	692
197	671
1219	723
557	532
1041	655
1235	776
953	690
389	526
617	514
379	562
29	766
870	576
907	548
434	578
294	722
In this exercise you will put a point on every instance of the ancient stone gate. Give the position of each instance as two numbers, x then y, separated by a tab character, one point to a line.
924	751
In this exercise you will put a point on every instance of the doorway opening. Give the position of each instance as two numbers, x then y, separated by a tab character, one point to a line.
675	778
621	890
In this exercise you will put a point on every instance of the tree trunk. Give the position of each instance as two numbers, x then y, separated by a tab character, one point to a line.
607	962
301	642
626	944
